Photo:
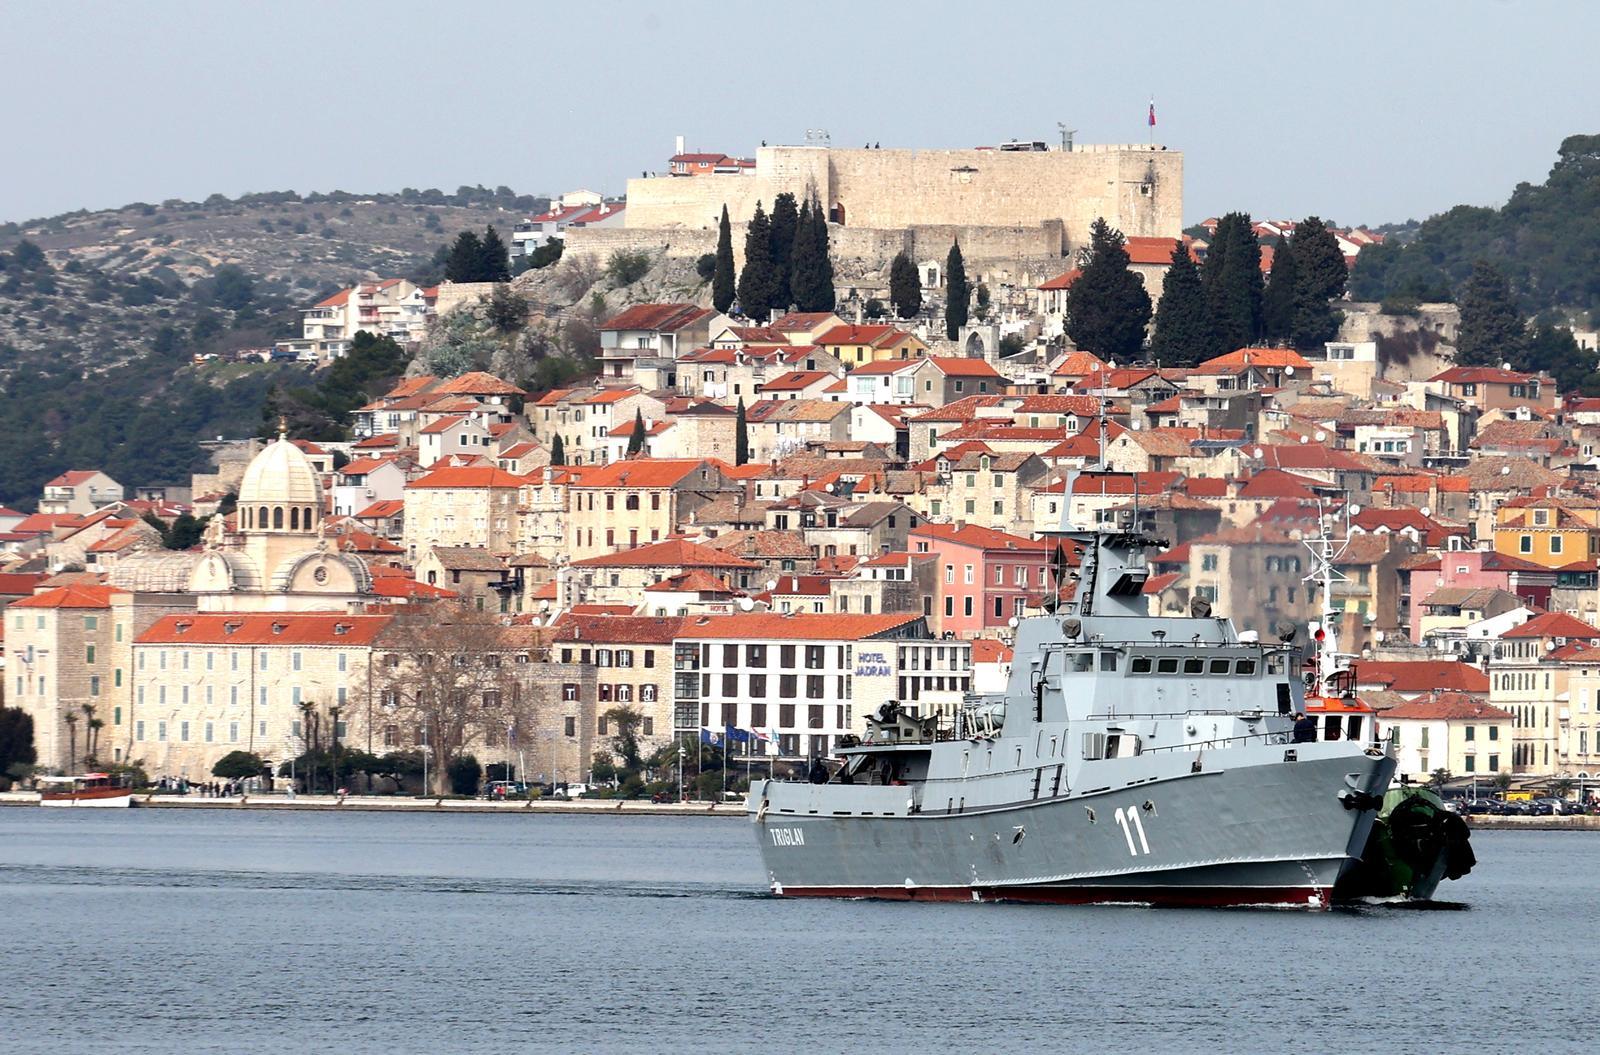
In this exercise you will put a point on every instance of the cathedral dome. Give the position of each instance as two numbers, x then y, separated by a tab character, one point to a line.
280	474
280	491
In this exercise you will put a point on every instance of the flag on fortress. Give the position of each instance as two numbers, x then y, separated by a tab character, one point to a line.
1152	113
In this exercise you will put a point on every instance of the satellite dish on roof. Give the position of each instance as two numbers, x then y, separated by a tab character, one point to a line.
1319	436
1378	635
1549	646
1305	439
1355	511
1505	366
1258	453
772	584
1288	371
746	604
1372	617
1505	470
1012	622
1426	511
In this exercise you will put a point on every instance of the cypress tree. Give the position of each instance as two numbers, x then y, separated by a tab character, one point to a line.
785	223
958	292
741	436
757	283
825	295
1279	302
466	258
558	452
1107	307
1492	330
1322	277
811	271
905	287
494	265
636	439
722	291
1232	278
1183	333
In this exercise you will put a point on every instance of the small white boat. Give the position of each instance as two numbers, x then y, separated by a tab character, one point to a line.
86	789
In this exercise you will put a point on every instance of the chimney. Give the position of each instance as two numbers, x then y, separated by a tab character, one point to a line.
679	144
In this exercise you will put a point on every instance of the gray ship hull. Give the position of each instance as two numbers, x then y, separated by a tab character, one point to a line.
1252	830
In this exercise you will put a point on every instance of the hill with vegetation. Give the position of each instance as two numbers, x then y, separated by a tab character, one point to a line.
1545	240
102	316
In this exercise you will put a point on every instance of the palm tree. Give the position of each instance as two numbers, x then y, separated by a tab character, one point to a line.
95	725
90	726
71	719
1438	779
1562	787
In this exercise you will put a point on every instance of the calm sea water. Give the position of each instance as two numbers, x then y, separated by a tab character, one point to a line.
243	932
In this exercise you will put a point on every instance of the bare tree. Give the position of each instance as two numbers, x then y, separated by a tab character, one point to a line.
448	673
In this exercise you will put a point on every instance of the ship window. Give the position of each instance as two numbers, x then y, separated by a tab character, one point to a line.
1168	665
1274	664
1218	666
1108	661
1194	665
1141	665
1354	724
1246	667
1082	661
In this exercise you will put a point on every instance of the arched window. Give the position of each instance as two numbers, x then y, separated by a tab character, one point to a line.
294	519
277	517
244	517
305	518
261	519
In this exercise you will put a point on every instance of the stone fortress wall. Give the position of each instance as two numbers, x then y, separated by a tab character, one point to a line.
1003	205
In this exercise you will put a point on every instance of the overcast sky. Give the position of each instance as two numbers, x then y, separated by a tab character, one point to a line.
1363	112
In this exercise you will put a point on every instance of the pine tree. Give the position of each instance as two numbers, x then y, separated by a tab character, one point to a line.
466	258
958	292
1492	330
636	439
905	287
1322	277
1278	303
722	291
558	452
1183	332
757	282
1232	278
741	436
785	223
494	265
1107	306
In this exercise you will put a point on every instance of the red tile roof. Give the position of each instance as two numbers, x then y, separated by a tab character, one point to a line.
619	629
1422	675
988	650
276	628
641	472
1554	624
467	476
76	596
800	626
1482	375
1446	706
656	317
673	553
1063	280
382	510
981	537
1152	250
478	383
73	478
952	366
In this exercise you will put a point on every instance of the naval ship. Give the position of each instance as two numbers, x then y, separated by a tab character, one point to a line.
1132	758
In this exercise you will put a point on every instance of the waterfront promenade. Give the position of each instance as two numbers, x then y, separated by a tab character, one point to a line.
408	804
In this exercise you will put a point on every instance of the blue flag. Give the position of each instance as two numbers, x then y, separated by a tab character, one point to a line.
738	735
709	736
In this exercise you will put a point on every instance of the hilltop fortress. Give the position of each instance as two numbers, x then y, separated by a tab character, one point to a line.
1021	204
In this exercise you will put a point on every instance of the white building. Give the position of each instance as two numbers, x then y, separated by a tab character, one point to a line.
579	208
812	678
392	307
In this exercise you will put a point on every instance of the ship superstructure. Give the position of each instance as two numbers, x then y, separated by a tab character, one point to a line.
1131	758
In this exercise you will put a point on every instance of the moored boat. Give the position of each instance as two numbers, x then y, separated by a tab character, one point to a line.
86	789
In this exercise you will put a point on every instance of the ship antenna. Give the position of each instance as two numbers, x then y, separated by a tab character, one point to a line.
1325	552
